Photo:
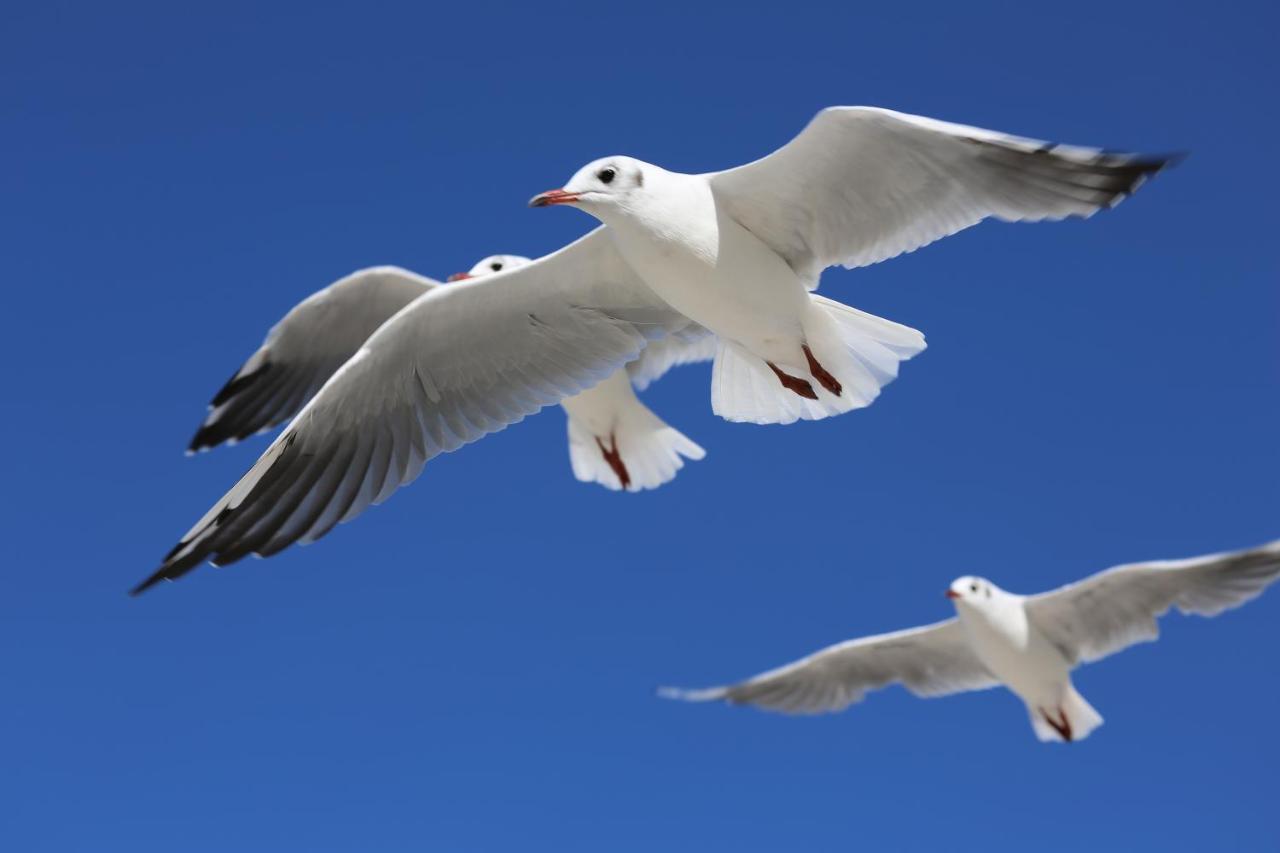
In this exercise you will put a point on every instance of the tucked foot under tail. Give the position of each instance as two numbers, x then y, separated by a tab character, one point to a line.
1061	725
849	353
1070	720
825	379
617	441
614	459
794	383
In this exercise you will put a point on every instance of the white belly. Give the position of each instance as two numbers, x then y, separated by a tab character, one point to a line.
1020	657
724	278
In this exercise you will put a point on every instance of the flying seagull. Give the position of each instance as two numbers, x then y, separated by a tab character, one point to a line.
739	251
733	254
614	439
452	366
1029	644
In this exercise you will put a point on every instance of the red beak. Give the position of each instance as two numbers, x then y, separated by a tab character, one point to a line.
553	197
951	593
459	276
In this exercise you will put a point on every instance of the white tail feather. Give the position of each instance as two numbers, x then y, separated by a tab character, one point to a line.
609	426
861	350
1072	719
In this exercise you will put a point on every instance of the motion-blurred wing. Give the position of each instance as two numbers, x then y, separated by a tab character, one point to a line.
1112	610
934	660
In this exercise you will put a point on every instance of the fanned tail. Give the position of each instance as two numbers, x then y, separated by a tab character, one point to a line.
849	355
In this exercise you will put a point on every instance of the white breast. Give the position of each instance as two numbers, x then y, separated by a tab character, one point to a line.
708	267
1013	650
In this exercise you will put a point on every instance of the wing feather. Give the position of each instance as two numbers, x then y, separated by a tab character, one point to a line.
458	363
304	349
933	660
861	185
1117	608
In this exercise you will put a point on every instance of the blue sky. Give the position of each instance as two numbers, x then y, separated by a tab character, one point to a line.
470	667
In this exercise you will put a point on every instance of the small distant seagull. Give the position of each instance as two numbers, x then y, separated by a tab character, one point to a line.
1029	644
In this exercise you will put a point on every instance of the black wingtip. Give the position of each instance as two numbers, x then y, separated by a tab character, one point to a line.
237	383
230	427
1150	164
210	436
160	575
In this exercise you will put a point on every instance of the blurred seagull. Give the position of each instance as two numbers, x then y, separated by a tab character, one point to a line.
1030	644
738	251
614	439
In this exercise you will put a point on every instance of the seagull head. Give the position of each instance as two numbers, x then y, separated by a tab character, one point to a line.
607	182
491	265
972	591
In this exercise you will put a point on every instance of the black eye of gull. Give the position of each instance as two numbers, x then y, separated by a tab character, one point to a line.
495	266
973	587
607	174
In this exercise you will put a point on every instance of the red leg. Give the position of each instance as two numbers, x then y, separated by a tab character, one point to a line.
614	458
1061	725
793	383
820	373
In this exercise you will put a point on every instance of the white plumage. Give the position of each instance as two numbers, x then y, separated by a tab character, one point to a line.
318	335
680	258
1029	644
737	251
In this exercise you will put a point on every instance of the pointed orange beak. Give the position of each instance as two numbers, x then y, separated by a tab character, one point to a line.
551	197
459	276
951	593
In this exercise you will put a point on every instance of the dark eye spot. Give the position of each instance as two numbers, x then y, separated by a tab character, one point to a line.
973	587
495	266
607	174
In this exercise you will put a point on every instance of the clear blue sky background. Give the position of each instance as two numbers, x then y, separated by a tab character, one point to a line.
470	667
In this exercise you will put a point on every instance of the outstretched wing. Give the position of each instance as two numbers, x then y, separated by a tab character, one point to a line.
303	350
460	362
1112	610
933	660
860	185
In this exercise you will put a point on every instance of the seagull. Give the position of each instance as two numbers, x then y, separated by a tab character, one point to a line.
450	367
1029	644
614	439
740	251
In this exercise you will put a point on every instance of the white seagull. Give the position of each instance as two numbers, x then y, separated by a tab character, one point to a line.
734	253
739	251
452	366
614	439
1030	644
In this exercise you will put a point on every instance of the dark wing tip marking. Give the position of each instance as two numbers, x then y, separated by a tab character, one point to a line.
204	546
238	382
234	424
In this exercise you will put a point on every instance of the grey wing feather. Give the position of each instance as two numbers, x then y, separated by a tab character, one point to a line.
1117	608
458	363
860	185
933	660
303	350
